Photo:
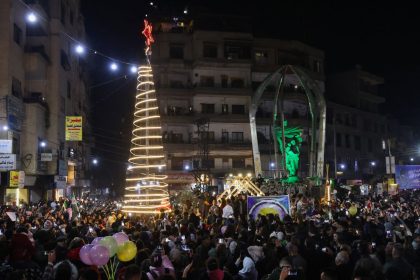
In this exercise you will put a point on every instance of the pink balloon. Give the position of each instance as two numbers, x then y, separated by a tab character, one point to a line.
84	254
120	237
99	255
96	241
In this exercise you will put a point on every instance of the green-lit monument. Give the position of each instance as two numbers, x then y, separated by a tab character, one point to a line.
288	138
290	155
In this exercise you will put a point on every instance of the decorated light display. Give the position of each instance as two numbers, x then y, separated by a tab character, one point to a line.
146	190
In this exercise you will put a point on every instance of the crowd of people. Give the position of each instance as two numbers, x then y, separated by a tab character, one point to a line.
216	239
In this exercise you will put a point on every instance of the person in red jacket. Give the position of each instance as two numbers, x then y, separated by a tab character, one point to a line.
22	247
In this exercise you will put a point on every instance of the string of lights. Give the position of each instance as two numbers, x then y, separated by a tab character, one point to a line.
34	17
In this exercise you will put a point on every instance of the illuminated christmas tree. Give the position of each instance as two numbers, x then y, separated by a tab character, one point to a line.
146	190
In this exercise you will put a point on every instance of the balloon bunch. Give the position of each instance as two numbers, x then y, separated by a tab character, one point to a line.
103	252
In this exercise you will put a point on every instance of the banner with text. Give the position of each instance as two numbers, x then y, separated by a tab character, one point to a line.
7	162
263	205
408	176
74	128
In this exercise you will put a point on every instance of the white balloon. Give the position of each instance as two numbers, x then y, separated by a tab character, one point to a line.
53	204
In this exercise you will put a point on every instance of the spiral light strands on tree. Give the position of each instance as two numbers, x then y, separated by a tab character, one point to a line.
146	192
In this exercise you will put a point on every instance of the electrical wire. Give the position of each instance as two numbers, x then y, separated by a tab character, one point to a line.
96	52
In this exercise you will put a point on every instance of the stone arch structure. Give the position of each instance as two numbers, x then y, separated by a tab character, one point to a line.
317	108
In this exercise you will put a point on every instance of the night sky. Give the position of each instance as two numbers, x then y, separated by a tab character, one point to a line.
382	38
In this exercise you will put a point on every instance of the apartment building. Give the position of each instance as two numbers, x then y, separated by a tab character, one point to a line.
208	76
42	80
357	132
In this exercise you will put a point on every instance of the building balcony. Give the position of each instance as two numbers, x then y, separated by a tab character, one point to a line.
371	97
38	49
197	89
215	149
217	118
195	141
221	62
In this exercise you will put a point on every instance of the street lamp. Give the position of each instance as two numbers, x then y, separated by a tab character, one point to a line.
31	17
95	161
372	163
186	167
342	166
5	128
79	49
43	144
113	66
133	69
411	159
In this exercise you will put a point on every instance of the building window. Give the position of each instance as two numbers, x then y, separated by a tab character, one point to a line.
237	83
176	51
261	57
338	119
347	139
367	125
71	17
64	59
237	51
317	66
176	84
16	145
330	116
177	164
238	163
68	90
206	81
209	50
17	34
238	109
382	128
357	143
224	81
347	119
225	137
207	136
237	137
209	163
338	139
176	138
354	121
63	13
225	109
207	108
370	146
16	88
